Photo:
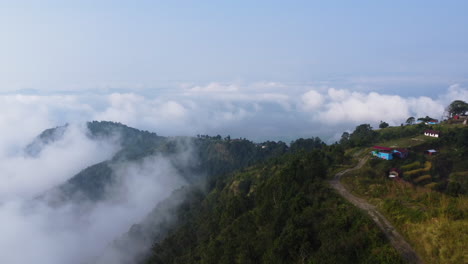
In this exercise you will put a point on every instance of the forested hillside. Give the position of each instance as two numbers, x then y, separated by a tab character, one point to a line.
281	211
277	210
198	159
268	202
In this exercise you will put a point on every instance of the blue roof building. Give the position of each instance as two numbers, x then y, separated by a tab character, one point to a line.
389	153
383	154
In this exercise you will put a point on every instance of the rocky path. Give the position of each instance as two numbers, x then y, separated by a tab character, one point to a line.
395	238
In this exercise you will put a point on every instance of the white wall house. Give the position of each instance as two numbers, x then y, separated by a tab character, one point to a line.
432	133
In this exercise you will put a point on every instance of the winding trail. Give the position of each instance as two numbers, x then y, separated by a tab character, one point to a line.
397	240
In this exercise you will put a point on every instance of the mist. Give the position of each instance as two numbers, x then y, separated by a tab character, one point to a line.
34	231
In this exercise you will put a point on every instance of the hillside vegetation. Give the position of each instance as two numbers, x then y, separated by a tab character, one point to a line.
442	172
278	212
269	202
429	204
204	158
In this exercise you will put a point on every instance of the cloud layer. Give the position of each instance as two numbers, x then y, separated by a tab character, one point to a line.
258	111
35	232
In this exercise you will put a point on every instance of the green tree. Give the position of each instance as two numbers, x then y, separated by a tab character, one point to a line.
307	144
425	119
457	107
383	124
344	138
410	120
363	135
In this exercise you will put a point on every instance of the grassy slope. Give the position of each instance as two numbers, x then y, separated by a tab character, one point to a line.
435	223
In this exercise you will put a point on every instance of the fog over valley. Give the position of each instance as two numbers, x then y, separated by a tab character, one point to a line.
75	231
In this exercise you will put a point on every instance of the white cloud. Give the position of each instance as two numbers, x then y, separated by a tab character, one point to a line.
218	108
312	100
455	92
173	109
337	95
25	177
341	106
265	92
425	106
215	87
359	107
35	232
138	111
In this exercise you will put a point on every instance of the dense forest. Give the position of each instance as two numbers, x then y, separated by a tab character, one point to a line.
281	211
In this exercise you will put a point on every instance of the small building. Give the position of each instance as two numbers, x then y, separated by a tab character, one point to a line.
432	133
383	152
389	153
431	152
395	173
432	122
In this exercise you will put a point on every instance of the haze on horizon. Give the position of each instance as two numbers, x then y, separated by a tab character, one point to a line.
263	70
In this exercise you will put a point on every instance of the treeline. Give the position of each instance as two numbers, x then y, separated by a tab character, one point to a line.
220	157
364	135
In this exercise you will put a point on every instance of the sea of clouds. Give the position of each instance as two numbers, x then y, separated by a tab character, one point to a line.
257	111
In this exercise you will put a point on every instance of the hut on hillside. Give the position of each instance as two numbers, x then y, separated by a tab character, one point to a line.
432	133
383	152
431	152
389	153
395	173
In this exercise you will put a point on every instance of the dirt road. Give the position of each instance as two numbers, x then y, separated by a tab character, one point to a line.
395	238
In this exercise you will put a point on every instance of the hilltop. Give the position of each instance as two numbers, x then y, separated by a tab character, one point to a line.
196	159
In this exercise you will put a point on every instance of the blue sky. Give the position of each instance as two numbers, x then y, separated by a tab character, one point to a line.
258	62
88	44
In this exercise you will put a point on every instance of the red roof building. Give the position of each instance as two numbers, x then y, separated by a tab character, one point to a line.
389	153
383	148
